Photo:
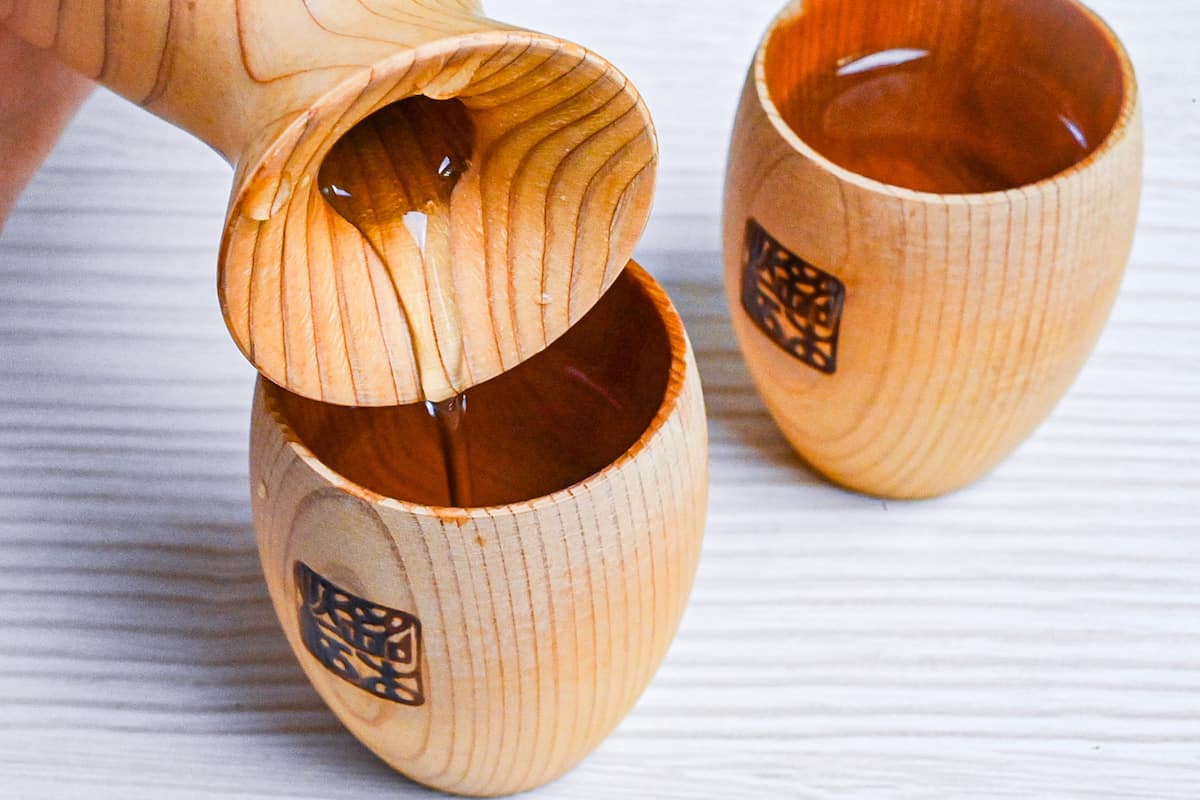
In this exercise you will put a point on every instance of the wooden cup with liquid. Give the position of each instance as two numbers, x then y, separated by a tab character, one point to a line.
484	643
929	209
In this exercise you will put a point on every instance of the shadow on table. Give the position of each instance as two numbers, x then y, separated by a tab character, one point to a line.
736	413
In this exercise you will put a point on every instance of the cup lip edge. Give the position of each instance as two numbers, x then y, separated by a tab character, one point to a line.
677	379
1119	132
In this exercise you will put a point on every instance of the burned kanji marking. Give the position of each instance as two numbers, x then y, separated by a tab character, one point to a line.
799	306
378	649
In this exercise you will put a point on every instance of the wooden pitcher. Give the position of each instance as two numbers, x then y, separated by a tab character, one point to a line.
564	160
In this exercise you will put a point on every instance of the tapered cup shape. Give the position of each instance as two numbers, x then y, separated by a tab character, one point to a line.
558	176
486	650
929	208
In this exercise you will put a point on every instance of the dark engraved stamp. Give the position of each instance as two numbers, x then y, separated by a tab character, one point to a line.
377	649
795	303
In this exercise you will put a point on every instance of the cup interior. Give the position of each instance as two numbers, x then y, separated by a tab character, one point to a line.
551	422
948	97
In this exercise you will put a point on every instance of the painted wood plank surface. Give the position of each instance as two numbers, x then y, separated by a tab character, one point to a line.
1037	635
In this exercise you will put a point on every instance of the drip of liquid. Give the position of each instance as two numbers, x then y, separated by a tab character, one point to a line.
451	418
392	177
907	117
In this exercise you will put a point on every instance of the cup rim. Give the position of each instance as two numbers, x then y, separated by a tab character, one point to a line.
1116	134
676	383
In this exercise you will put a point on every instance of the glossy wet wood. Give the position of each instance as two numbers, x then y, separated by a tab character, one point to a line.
394	177
552	422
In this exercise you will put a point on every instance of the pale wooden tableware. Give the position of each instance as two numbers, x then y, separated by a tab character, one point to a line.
517	635
563	163
930	334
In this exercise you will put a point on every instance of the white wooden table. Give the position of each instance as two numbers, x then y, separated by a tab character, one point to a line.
1037	635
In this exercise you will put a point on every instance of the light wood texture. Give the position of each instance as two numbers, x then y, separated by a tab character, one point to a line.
559	188
537	624
1035	635
963	317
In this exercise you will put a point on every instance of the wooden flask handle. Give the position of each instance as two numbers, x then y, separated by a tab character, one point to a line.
565	162
215	68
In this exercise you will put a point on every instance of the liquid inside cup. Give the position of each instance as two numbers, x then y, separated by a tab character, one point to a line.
947	97
554	420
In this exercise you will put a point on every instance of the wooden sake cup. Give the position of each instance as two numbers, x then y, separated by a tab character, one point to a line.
485	651
905	341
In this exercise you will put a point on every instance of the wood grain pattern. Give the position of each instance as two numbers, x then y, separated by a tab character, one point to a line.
1034	635
963	317
558	193
539	623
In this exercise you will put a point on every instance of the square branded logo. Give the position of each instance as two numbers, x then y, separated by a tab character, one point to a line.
378	649
798	305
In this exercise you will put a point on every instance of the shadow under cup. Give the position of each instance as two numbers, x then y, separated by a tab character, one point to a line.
947	97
